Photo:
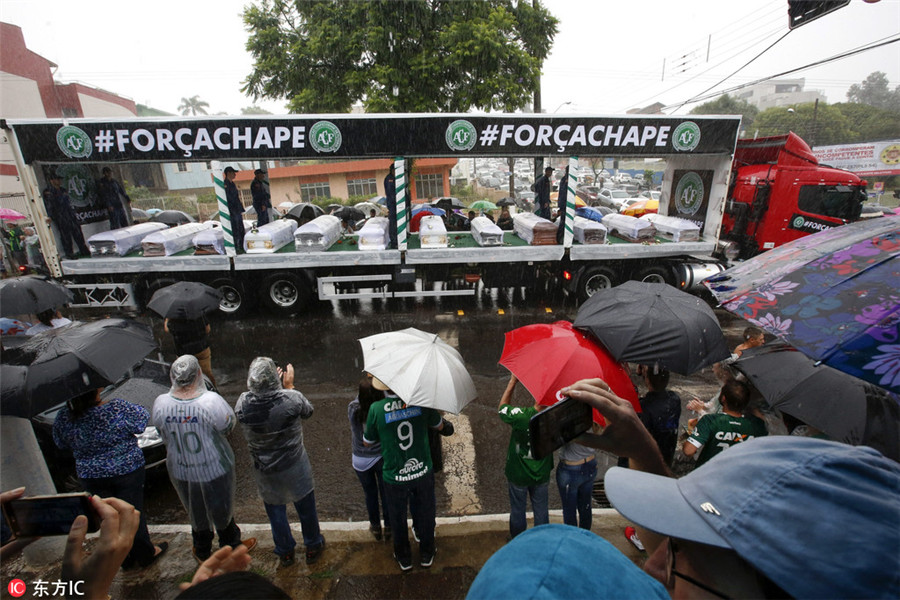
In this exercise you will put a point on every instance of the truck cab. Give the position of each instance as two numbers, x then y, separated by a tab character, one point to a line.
779	192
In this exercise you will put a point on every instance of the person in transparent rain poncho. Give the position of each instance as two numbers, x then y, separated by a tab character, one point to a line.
271	415
193	423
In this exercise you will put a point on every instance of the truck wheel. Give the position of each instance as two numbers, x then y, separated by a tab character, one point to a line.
235	299
285	293
595	279
655	275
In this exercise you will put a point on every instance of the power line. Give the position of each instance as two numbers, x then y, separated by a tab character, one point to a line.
871	46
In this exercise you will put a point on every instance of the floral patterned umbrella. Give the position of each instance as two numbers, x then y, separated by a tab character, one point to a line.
834	295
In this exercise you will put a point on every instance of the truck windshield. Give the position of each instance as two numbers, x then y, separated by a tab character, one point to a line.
835	201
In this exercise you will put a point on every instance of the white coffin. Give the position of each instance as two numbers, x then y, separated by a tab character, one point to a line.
271	237
122	241
673	228
486	233
375	234
432	232
630	228
535	230
174	240
588	231
318	235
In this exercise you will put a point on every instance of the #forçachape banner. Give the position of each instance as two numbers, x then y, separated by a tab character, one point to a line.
83	140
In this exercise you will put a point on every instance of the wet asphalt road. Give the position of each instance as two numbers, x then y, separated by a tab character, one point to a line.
322	345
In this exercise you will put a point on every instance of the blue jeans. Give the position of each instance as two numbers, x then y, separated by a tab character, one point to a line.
420	493
373	487
575	484
281	529
518	497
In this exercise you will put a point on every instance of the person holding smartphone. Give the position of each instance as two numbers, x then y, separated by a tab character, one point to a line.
526	476
108	461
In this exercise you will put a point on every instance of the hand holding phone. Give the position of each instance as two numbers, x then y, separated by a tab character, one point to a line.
557	425
38	516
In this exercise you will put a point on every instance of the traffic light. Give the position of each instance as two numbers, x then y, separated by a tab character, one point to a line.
801	12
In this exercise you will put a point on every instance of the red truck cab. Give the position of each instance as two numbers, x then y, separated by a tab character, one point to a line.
779	192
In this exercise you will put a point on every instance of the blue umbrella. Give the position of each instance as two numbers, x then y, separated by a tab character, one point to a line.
834	295
431	209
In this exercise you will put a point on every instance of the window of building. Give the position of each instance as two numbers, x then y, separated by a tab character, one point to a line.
181	167
309	191
362	187
430	185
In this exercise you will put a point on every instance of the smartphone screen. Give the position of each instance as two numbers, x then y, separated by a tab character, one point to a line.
554	426
49	515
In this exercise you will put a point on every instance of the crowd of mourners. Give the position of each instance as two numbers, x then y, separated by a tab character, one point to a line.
784	515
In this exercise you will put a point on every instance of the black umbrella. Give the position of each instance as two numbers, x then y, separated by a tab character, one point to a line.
350	213
31	294
843	407
185	300
332	208
654	323
448	203
172	218
506	201
304	213
139	216
61	363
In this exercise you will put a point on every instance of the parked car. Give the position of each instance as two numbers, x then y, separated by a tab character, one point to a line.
652	194
141	386
613	198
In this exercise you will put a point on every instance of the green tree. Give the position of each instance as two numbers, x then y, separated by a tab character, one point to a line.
193	106
822	126
254	110
875	91
412	56
870	124
727	105
597	165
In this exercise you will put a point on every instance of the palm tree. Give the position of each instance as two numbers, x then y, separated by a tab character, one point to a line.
193	105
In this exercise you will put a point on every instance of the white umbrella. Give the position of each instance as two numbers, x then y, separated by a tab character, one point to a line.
420	368
286	205
368	206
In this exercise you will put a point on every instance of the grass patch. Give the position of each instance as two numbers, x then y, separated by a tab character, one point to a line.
326	574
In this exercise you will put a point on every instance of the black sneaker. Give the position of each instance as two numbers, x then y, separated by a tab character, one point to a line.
200	555
405	565
286	560
375	530
426	559
313	554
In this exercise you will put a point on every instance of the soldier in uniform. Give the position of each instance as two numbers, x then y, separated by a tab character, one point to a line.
113	196
262	199
60	211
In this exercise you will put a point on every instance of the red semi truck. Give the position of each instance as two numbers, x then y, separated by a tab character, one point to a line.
779	192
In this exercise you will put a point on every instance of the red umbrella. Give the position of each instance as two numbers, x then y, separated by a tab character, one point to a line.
549	357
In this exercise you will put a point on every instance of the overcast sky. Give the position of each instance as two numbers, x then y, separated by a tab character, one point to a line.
608	56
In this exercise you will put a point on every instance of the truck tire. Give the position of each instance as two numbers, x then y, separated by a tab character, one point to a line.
235	299
594	279
285	293
655	274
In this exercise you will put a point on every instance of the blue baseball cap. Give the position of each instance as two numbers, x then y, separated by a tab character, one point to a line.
560	561
821	519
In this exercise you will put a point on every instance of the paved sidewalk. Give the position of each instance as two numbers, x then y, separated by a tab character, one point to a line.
353	566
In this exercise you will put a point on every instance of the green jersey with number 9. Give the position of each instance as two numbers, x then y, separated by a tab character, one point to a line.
403	433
